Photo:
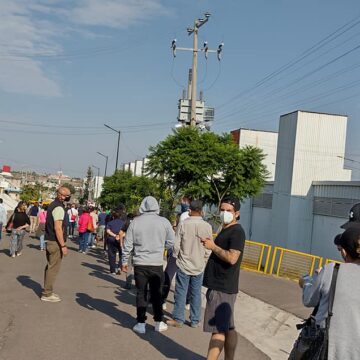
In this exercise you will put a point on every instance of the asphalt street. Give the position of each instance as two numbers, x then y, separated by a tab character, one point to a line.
94	319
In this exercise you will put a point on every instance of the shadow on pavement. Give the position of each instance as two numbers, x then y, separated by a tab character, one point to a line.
102	273
32	246
168	347
29	283
5	251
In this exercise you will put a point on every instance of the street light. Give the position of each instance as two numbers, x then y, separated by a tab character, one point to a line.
106	157
97	180
118	144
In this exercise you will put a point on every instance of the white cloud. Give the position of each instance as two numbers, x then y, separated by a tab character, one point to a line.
21	36
29	28
115	13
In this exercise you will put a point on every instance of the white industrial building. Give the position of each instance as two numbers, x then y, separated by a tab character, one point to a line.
311	195
265	140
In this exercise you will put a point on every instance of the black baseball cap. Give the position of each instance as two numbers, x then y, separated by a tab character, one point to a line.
232	200
350	242
354	217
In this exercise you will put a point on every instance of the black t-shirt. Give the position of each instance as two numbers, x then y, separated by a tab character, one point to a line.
20	219
220	275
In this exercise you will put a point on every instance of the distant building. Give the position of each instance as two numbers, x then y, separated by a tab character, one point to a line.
311	194
264	140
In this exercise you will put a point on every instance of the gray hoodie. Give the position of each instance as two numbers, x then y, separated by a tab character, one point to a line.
148	235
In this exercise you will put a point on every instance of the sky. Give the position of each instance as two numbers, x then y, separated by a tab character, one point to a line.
69	67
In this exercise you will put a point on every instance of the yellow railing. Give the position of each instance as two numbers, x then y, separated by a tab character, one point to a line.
256	256
293	264
328	261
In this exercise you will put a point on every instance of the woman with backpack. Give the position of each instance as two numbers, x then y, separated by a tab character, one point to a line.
334	328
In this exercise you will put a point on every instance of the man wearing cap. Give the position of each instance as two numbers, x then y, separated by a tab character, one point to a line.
354	218
55	248
221	277
190	260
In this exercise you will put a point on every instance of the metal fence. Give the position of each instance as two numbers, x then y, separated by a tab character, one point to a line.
293	264
256	256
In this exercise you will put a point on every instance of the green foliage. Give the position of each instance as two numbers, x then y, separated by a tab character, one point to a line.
85	196
124	188
206	166
31	192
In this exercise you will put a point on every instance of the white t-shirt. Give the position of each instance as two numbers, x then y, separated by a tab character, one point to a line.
185	215
71	212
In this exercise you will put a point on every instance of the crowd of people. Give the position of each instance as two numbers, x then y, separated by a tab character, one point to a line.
135	244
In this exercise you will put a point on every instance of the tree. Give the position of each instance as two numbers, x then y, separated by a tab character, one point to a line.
32	192
86	193
125	188
206	166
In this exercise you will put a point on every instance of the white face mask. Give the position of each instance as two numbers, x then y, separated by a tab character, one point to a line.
226	217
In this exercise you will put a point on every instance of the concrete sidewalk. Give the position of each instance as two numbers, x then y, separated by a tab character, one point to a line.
94	319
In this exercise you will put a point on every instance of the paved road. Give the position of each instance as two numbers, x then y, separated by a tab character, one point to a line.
282	293
94	319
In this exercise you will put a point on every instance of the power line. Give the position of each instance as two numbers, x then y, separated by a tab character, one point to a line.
297	80
343	29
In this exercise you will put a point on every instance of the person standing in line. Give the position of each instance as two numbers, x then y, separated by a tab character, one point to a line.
221	277
130	273
101	226
20	221
41	227
171	267
147	236
92	236
113	241
84	221
56	247
190	255
73	217
3	216
33	213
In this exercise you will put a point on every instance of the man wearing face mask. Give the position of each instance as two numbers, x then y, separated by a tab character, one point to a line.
56	248
221	277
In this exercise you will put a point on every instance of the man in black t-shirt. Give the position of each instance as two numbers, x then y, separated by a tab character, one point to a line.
221	277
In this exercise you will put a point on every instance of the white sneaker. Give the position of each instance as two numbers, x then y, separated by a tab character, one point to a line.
51	298
187	306
140	328
164	306
160	326
93	247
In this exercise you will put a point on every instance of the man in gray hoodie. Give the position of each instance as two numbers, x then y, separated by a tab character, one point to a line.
147	237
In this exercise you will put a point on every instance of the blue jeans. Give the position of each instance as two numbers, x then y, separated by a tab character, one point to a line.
16	241
113	248
83	241
183	283
91	239
42	242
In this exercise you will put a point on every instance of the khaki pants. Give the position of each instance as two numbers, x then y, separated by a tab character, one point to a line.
54	256
33	223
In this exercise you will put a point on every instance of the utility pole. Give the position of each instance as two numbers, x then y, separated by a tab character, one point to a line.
106	157
118	144
97	182
195	32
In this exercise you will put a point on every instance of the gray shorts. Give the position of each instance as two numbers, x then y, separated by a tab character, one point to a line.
219	312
